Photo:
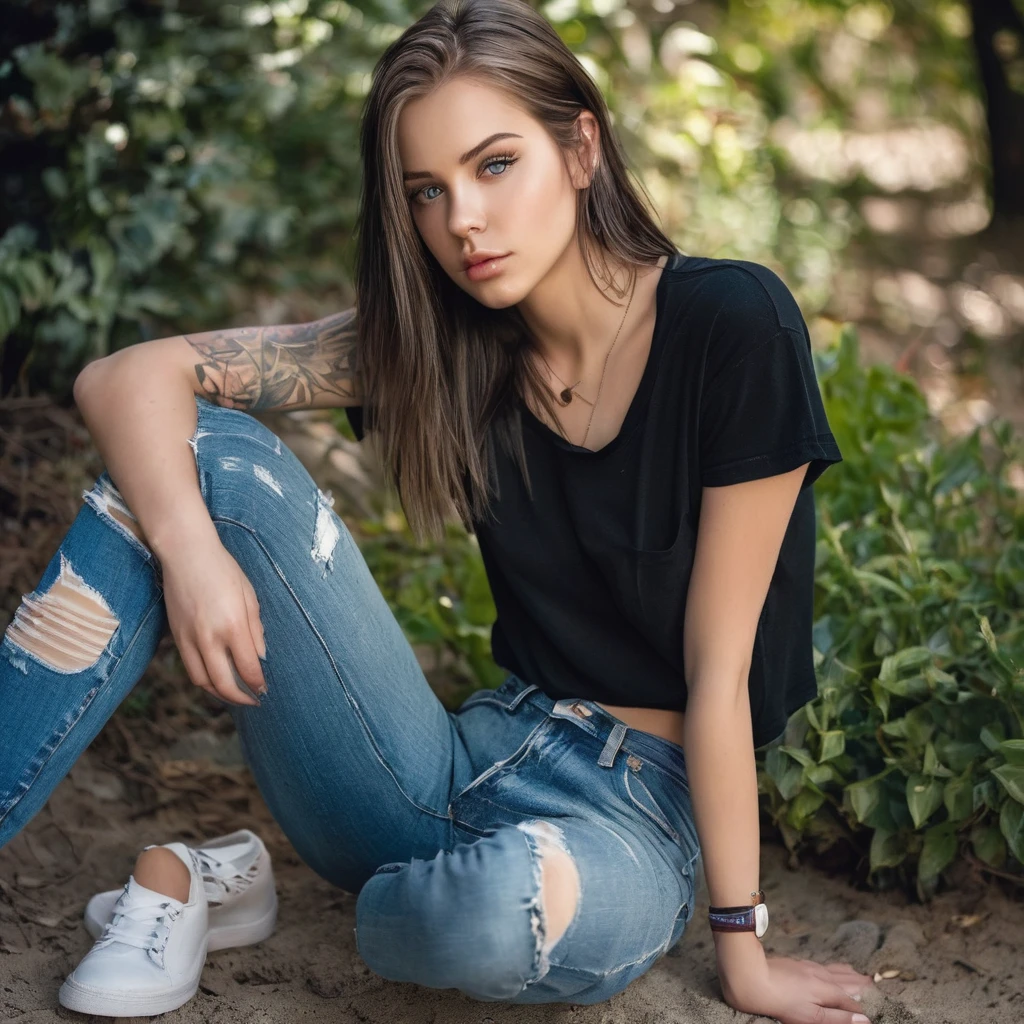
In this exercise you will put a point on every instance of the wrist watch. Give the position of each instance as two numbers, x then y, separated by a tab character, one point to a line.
741	919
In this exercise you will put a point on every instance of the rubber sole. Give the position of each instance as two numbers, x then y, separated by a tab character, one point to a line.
84	999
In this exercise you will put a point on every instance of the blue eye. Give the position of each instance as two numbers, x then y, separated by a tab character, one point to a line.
500	158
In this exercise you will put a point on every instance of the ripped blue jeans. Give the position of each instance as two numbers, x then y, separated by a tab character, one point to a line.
439	820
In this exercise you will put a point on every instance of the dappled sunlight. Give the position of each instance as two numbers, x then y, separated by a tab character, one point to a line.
922	157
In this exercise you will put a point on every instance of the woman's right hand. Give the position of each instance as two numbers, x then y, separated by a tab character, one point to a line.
214	617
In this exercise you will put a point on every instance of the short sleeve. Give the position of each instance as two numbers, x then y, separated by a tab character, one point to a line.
763	414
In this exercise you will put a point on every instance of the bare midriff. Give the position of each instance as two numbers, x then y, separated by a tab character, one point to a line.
659	721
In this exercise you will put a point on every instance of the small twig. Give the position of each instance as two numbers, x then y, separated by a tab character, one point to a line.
133	748
11	439
143	812
25	403
171	785
982	866
971	967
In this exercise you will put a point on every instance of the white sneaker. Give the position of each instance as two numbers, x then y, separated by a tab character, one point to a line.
150	955
238	879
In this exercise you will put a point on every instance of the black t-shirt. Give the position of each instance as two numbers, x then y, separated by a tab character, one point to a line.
590	579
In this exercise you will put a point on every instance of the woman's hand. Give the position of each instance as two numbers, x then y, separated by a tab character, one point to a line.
793	991
214	617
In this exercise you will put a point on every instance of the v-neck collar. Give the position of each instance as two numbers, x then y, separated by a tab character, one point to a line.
638	404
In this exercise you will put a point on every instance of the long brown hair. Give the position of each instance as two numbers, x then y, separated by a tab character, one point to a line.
438	369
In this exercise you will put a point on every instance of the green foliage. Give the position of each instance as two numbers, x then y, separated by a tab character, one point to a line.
439	594
169	160
916	741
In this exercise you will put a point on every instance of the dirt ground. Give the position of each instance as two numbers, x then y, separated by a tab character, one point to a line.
954	961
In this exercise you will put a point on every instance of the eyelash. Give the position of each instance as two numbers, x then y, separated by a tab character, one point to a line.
498	158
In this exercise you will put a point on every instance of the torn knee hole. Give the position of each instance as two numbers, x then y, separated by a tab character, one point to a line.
559	889
68	627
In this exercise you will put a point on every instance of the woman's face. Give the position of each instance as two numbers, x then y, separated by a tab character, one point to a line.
513	195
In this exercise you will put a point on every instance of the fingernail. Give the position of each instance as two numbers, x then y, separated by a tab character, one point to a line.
856	995
859	1018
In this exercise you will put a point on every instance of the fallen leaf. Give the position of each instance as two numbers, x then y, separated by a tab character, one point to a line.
45	920
965	920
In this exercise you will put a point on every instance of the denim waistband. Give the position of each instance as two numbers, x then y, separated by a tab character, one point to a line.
592	718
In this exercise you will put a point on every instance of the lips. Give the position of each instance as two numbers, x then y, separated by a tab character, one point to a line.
480	256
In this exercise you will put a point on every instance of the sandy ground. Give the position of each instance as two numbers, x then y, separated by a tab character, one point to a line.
959	958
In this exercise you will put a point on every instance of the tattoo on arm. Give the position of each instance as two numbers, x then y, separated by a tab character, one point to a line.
287	367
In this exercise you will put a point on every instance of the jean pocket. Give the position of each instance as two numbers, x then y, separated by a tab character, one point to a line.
504	791
648	799
663	799
508	764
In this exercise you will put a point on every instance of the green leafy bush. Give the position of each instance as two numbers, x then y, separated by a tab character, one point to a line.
167	161
914	748
439	594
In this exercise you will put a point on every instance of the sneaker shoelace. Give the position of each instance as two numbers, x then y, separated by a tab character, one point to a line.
140	924
221	878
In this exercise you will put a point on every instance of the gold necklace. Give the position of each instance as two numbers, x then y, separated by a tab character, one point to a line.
566	394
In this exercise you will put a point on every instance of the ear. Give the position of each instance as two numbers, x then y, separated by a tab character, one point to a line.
588	151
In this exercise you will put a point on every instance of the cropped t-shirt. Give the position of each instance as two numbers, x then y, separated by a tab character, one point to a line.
590	578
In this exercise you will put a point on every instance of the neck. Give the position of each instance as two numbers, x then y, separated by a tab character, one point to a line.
572	321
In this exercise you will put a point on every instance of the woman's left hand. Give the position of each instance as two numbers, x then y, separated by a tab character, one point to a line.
793	991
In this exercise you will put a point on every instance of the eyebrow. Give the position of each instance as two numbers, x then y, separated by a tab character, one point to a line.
467	156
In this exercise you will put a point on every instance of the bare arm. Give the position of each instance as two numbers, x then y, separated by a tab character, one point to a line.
139	406
739	537
297	366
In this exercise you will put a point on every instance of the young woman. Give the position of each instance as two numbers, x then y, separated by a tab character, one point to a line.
630	432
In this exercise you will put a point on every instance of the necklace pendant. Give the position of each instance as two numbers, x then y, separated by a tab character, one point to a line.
566	396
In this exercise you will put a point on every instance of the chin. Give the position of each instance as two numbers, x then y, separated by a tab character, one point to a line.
494	294
499	301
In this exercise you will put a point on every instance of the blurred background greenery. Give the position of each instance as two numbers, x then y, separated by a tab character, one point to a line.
175	165
179	165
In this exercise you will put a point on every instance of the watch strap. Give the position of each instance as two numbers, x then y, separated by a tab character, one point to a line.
737	919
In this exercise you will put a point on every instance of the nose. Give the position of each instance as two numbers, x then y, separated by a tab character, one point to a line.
465	214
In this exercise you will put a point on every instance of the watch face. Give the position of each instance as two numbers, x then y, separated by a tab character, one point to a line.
760	919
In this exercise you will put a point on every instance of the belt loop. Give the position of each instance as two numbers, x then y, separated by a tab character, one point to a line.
519	696
611	748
